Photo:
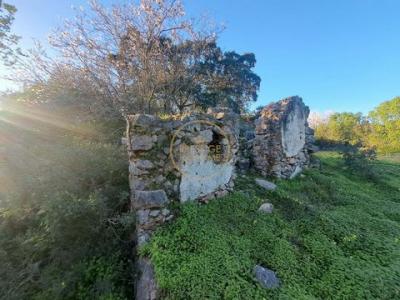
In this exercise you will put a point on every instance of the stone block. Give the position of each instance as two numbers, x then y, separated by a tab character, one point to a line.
266	277
266	208
150	199
266	184
146	286
142	142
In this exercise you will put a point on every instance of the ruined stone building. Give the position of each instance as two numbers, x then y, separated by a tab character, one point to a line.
196	158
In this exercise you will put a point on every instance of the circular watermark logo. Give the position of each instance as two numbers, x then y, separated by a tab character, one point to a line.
218	146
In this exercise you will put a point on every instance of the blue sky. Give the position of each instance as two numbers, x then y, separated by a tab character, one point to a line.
341	55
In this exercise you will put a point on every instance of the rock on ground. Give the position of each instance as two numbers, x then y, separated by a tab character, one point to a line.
266	184
266	208
266	277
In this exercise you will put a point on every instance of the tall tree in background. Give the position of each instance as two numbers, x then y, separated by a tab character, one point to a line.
232	82
385	124
380	130
346	127
201	75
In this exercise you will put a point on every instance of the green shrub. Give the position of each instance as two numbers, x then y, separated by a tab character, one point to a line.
64	221
358	160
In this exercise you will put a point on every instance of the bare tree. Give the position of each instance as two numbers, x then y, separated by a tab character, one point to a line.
144	57
122	51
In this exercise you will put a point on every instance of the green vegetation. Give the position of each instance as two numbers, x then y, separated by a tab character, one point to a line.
8	41
385	121
379	130
64	209
342	128
333	235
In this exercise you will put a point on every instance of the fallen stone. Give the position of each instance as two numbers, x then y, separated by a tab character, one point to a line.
266	208
149	199
266	184
266	277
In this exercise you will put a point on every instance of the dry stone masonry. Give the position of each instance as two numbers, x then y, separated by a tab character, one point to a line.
196	157
283	140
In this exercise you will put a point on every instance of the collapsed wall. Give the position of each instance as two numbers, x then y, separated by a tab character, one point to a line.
195	157
186	158
176	159
283	140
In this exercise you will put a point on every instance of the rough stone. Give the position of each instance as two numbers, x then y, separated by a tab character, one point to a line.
200	174
266	208
243	164
142	120
203	137
142	142
220	115
296	172
154	213
165	212
283	138
142	238
266	277
142	216
144	164
159	179
266	184
150	199
134	170
137	184
146	286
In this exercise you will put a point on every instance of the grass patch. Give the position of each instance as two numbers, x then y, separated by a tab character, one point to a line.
332	235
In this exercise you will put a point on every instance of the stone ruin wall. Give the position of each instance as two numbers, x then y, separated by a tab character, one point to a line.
196	157
182	159
283	140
